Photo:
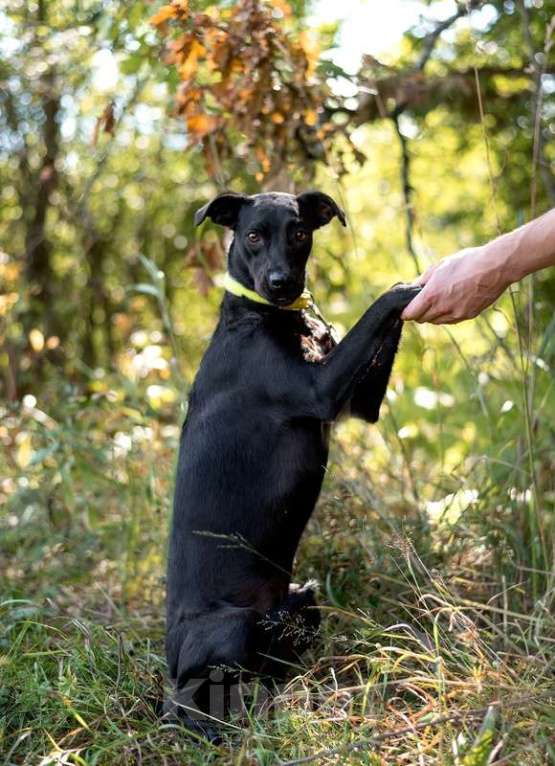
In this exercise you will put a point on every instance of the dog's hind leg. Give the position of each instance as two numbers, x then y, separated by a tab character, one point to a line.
206	654
210	654
289	629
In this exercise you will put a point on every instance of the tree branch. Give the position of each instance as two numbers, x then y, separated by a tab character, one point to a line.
407	193
412	90
431	39
429	45
539	159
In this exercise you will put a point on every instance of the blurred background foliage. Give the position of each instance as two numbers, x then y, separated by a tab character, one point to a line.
117	121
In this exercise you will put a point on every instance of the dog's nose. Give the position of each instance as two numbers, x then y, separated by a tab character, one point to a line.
277	279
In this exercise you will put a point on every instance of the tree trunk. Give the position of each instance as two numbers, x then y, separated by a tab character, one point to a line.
40	277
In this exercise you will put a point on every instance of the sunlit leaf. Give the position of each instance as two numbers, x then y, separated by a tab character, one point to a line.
188	68
131	64
24	450
165	13
7	302
479	753
36	340
311	117
146	289
201	124
283	6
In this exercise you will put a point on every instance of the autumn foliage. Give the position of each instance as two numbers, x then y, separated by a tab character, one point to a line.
249	89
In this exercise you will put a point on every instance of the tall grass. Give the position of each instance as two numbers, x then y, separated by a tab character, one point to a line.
437	645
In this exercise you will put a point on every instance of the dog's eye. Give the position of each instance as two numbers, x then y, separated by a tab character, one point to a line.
253	237
301	235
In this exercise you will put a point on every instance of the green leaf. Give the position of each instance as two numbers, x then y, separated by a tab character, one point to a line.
131	64
137	14
41	454
479	753
145	288
156	274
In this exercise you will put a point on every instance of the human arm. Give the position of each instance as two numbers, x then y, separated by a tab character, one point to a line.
464	284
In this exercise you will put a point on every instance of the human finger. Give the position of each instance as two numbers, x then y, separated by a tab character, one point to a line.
445	319
418	306
423	278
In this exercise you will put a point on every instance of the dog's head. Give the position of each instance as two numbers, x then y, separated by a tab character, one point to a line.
272	237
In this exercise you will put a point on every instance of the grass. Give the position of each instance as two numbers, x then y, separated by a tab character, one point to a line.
435	649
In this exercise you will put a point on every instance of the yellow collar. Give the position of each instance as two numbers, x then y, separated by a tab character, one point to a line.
232	285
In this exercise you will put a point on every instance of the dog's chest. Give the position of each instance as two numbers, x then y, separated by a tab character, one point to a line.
316	337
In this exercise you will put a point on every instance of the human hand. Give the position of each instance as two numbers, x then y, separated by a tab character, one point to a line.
459	287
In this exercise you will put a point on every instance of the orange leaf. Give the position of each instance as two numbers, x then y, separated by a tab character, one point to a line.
166	12
311	117
283	6
263	158
201	124
311	50
245	94
214	37
189	66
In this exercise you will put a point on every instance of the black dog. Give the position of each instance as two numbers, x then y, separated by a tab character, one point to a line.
254	445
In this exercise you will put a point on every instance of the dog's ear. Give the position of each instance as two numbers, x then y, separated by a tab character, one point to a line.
317	209
223	209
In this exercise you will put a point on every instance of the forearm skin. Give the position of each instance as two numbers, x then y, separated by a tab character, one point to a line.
527	249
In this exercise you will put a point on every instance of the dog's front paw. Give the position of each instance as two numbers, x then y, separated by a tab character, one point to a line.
401	294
